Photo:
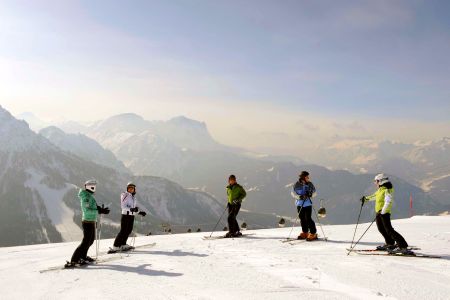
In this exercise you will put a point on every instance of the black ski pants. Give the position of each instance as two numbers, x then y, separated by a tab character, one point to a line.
126	227
387	231
86	243
305	215
233	210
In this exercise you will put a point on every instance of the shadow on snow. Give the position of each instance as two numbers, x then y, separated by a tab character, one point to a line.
141	270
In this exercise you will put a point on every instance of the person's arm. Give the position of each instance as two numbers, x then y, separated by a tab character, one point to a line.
243	194
92	203
371	197
312	190
126	201
387	202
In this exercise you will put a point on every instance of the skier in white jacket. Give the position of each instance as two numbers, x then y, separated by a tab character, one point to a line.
129	207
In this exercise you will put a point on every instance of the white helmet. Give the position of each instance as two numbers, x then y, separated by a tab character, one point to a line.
131	184
381	179
91	185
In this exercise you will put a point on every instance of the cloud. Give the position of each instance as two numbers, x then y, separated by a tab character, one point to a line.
308	125
354	125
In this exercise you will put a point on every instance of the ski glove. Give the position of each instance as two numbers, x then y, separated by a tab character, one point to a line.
142	213
103	210
134	209
363	199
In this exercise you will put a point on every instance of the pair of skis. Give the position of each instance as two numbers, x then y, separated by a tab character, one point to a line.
219	237
103	258
376	252
295	241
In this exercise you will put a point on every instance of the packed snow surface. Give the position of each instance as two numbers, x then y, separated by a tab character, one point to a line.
258	266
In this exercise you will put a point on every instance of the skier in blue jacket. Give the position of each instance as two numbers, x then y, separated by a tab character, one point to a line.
303	191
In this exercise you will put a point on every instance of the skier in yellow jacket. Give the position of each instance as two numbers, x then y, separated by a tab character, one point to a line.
384	199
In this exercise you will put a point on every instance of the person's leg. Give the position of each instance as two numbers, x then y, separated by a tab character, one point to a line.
395	236
237	208
303	218
90	229
231	218
311	224
128	228
381	228
78	254
119	239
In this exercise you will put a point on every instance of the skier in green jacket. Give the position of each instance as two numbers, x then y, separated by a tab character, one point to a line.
90	210
236	194
384	199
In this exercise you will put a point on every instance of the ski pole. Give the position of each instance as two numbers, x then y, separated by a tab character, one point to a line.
320	224
134	237
293	225
298	217
98	234
351	249
218	221
357	222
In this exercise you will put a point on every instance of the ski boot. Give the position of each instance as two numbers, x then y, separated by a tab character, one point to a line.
386	247
401	251
126	248
114	249
237	234
89	259
312	237
228	235
70	265
302	236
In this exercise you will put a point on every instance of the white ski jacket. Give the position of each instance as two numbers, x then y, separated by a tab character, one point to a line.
127	201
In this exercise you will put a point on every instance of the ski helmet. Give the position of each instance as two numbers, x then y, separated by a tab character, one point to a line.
381	179
91	185
131	184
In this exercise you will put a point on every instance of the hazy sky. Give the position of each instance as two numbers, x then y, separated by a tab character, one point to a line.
269	72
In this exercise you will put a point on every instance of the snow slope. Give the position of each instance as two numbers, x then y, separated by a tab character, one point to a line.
254	267
58	212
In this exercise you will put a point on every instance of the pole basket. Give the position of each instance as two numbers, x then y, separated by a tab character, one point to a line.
282	223
322	212
244	226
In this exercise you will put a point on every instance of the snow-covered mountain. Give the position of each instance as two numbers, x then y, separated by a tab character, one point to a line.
182	132
189	134
38	180
112	132
255	267
82	146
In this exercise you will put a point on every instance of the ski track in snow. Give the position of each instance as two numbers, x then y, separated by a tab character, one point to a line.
254	267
